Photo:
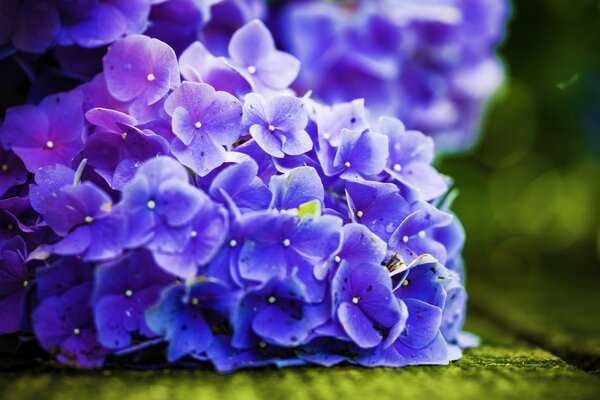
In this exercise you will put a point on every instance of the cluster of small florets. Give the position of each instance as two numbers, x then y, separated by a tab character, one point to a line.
223	219
431	63
35	26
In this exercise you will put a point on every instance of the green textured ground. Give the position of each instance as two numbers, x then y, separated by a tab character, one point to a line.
504	367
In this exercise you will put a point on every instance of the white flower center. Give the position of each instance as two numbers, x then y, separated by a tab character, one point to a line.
286	242
359	214
233	243
128	293
355	300
397	167
198	124
49	144
150	77
252	70
347	164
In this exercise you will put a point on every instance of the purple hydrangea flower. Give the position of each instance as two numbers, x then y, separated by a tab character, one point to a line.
157	203
227	16
304	233
12	171
139	67
198	65
364	305
420	342
430	63
82	215
207	232
278	125
346	149
119	148
48	182
47	134
95	23
204	121
185	316
378	206
30	25
358	246
253	53
410	157
63	320
15	281
123	290
410	239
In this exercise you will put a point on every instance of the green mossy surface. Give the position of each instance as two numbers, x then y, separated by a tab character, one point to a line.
503	367
559	311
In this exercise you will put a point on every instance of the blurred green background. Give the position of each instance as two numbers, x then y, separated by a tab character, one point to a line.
530	190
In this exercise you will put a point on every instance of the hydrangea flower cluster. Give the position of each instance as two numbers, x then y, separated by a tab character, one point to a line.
196	209
431	63
34	26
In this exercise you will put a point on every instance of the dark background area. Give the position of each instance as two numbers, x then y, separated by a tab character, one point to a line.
530	190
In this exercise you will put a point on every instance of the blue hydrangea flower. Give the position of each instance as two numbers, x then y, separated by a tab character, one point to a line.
430	63
296	188
284	232
123	290
240	183
378	206
186	316
410	157
420	342
278	242
276	313
358	246
364	305
410	239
